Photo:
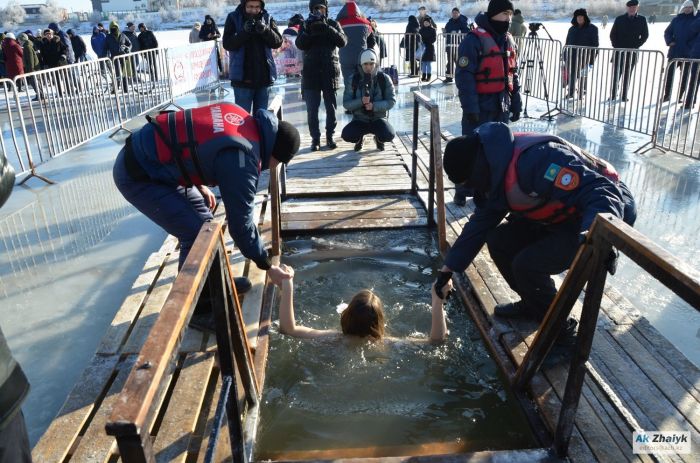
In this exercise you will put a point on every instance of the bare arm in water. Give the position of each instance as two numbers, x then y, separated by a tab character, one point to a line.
287	322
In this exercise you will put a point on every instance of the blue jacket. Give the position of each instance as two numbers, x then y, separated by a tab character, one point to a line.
236	172
235	39
680	32
454	26
695	48
595	193
99	43
469	53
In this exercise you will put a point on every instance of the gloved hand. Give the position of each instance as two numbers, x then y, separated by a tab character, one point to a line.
260	27
317	27
611	261
515	117
473	118
442	279
249	26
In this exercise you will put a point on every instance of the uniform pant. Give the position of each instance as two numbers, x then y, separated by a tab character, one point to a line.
527	254
14	442
313	102
381	128
178	210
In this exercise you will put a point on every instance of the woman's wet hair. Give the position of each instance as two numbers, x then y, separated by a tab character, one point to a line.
364	316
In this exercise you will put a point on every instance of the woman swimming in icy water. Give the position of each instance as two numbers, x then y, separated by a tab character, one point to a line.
363	317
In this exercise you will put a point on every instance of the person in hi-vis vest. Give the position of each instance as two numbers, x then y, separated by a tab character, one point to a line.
487	74
166	166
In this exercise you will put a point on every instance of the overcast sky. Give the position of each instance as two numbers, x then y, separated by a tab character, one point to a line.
70	5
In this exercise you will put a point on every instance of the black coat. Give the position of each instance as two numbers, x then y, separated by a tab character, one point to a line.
52	51
134	39
321	62
629	32
586	36
79	47
428	35
209	29
147	40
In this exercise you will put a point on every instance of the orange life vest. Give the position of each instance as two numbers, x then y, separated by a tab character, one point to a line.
183	137
496	68
546	210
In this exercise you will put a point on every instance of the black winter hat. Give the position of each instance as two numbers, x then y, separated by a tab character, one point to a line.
313	3
460	157
498	6
287	142
580	12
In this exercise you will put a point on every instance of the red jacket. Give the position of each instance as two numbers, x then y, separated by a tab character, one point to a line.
14	64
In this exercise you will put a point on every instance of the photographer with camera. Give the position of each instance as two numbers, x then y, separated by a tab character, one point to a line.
320	37
369	97
487	74
250	34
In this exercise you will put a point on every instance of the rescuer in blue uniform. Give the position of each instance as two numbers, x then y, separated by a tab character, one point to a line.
487	74
549	190
165	167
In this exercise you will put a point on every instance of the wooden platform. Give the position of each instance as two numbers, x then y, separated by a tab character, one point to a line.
348	190
637	378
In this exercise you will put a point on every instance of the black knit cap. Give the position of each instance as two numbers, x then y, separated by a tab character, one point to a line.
314	3
498	6
633	3
286	143
460	157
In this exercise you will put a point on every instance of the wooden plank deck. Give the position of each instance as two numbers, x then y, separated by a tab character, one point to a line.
181	429
348	190
638	376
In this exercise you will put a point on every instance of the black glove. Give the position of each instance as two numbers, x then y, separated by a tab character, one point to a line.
611	261
515	117
260	27
473	118
442	279
249	26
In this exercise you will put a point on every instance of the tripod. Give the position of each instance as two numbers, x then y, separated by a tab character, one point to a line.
531	54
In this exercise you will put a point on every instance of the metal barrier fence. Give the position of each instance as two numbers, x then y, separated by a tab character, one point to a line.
539	70
400	52
70	105
616	86
446	48
18	153
142	82
677	126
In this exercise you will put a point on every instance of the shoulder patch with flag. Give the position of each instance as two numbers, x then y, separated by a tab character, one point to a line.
566	180
552	172
463	61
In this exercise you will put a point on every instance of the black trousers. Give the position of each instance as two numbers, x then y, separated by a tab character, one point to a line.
358	129
527	254
313	102
14	442
623	65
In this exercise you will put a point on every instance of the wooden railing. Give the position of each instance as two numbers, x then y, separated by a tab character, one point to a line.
590	268
132	417
436	189
277	181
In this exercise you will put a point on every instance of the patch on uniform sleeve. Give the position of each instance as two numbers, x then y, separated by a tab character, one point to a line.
552	172
463	61
566	180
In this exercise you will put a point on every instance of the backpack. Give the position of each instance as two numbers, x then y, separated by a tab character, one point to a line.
393	74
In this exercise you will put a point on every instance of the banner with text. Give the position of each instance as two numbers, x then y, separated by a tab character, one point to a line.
193	67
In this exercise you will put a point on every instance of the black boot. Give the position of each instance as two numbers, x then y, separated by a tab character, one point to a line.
315	144
330	143
428	78
422	77
358	145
